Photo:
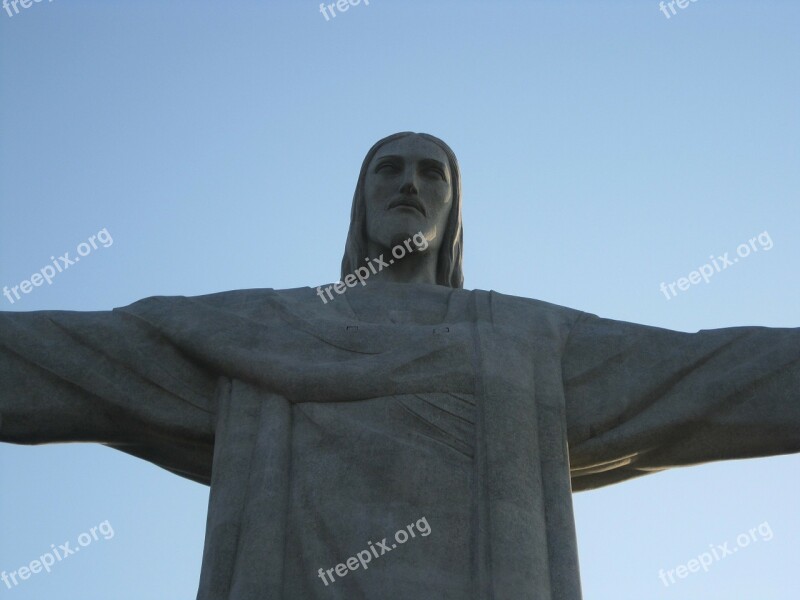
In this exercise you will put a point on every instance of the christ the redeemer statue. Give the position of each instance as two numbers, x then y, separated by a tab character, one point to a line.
327	419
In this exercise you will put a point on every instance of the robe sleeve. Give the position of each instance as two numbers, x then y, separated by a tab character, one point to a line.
106	377
640	399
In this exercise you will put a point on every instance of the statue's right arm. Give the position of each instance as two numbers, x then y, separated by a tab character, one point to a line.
105	377
641	399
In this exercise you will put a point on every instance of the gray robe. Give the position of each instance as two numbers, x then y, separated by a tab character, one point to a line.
322	431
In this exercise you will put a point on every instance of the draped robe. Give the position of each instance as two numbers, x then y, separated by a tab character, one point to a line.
323	430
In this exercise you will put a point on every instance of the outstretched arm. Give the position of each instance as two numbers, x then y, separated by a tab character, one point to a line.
641	399
105	377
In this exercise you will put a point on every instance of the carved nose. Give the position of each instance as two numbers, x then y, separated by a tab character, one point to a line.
409	188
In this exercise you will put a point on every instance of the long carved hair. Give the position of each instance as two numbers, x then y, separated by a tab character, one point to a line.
448	266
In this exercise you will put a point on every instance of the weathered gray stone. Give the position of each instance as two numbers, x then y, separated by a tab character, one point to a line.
325	426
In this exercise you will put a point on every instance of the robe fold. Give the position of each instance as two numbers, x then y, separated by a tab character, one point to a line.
324	432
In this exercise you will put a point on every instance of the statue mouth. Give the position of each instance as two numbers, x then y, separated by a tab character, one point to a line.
408	203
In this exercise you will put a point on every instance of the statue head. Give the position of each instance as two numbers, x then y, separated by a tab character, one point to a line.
409	183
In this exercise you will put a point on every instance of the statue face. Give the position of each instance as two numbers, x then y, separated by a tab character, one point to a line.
408	189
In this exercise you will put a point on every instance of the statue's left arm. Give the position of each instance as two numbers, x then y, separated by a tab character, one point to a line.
108	377
640	399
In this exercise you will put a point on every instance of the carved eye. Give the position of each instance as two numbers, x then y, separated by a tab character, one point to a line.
386	166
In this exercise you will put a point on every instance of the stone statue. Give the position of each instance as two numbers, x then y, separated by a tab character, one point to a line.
329	421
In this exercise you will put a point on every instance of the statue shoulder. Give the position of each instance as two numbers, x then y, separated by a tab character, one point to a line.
257	304
521	310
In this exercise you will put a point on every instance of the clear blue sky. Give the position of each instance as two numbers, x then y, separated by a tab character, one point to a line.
605	149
